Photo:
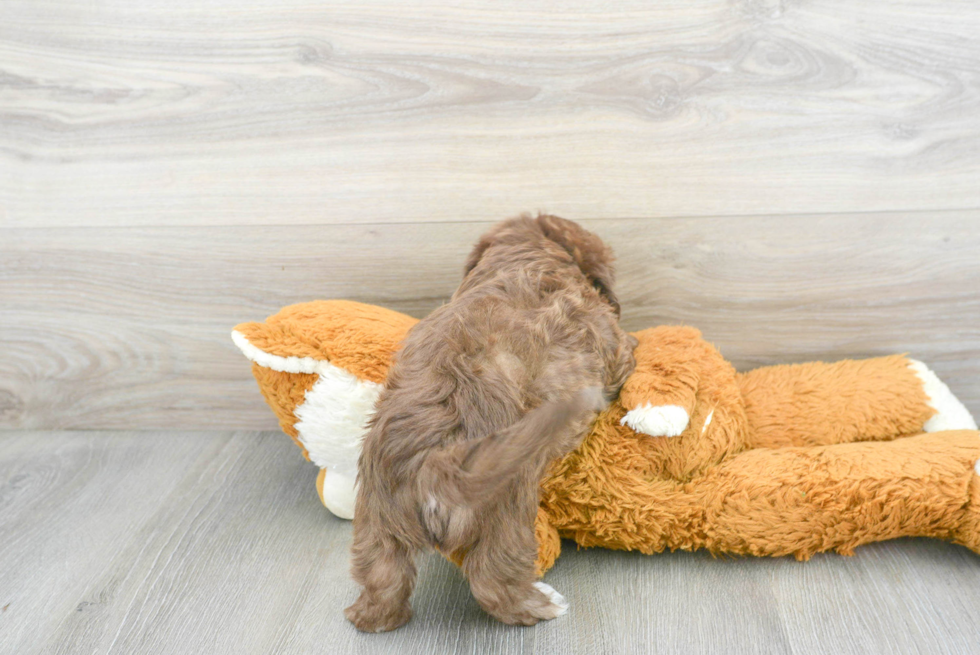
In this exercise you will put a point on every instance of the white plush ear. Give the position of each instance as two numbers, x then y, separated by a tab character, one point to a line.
660	421
275	362
331	420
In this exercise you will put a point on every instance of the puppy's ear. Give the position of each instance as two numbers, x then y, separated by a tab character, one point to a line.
604	287
481	247
592	256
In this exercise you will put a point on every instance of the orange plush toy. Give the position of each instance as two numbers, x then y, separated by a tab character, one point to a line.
782	460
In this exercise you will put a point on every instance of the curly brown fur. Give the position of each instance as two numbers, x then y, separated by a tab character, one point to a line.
485	393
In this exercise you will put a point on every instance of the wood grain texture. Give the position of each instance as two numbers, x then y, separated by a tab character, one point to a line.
216	543
129	327
227	113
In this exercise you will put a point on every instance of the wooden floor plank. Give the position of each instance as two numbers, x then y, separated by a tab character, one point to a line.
75	511
129	327
204	113
215	542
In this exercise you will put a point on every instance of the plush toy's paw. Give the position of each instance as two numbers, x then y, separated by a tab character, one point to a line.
661	421
950	412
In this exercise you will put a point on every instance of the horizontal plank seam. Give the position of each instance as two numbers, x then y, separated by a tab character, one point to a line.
796	216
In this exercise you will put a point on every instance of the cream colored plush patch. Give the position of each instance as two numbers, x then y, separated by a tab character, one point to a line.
660	421
707	421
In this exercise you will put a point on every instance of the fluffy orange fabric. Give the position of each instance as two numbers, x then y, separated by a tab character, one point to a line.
356	337
359	338
814	404
675	366
783	460
284	392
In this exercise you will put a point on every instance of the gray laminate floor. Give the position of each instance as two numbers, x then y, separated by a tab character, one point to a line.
216	543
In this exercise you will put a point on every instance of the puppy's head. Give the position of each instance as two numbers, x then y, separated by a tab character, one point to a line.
593	257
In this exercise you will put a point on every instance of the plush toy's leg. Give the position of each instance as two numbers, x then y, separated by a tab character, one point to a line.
800	501
337	492
968	533
865	400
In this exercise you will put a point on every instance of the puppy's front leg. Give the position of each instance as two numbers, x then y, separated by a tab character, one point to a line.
385	567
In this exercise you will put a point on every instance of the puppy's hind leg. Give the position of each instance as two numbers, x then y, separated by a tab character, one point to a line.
385	567
500	569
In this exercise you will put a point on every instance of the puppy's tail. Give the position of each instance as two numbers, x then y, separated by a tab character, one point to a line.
535	440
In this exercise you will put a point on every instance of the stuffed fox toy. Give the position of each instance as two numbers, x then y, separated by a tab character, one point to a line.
782	460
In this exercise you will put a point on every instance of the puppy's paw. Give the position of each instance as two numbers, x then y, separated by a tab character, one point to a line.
526	605
661	421
558	602
370	616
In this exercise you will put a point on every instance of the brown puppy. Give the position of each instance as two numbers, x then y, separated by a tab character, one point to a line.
485	393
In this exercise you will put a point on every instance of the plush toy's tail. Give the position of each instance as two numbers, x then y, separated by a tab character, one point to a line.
547	432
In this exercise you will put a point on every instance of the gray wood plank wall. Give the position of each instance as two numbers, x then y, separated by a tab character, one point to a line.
254	112
799	180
